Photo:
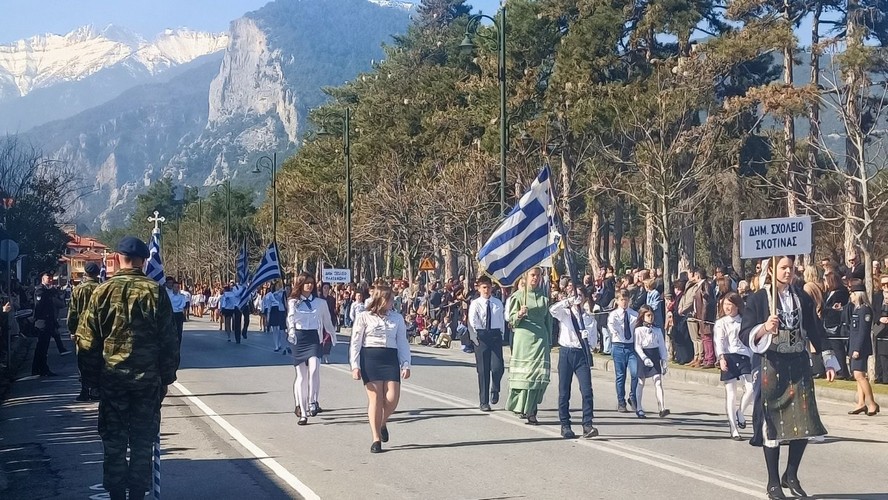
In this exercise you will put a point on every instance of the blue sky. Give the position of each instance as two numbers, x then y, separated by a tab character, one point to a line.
26	18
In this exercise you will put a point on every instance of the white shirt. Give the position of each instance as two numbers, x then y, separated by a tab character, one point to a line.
273	300
356	308
726	336
615	322
650	337
309	314
563	311
178	301
213	301
371	330
478	316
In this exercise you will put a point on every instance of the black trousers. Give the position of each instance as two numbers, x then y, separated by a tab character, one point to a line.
245	315
179	320
40	366
489	363
236	320
58	340
574	362
840	349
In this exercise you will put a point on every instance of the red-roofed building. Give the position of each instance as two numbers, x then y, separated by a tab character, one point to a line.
80	251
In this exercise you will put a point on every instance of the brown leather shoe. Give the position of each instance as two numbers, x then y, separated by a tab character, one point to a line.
694	364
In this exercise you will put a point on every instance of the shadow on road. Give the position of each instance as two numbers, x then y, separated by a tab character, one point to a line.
462	444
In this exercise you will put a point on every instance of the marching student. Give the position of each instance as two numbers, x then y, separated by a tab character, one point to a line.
574	361
735	362
380	357
486	325
275	308
781	339
619	327
861	348
650	347
307	316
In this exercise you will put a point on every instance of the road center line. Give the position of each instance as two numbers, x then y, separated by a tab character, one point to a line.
279	470
671	464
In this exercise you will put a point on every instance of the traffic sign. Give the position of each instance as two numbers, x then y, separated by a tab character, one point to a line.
426	264
762	238
9	250
337	276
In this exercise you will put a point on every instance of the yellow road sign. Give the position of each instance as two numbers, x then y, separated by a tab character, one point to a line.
426	264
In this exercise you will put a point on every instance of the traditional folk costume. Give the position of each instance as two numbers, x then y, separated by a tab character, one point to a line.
486	327
738	358
785	407
531	342
306	317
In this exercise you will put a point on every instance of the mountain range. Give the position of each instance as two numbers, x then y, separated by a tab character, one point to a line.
199	107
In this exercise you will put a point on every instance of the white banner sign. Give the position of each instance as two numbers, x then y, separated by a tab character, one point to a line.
337	276
763	238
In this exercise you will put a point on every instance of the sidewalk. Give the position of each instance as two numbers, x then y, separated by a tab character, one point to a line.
50	448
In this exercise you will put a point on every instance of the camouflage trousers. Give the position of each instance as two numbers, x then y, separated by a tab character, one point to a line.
129	418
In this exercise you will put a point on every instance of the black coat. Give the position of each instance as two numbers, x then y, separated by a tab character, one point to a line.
860	330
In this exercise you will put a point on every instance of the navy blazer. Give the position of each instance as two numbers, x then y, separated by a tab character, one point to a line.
758	308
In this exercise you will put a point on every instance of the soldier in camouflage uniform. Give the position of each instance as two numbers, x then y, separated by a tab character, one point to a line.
130	351
79	300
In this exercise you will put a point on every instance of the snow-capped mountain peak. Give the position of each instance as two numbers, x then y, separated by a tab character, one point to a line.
44	60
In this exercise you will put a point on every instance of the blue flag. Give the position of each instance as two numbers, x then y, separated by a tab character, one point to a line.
269	269
154	265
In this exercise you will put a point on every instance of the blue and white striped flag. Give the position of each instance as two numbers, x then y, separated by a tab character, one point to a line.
103	271
243	271
154	264
269	269
526	238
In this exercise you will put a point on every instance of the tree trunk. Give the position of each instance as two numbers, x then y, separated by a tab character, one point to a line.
789	127
813	120
666	246
617	248
605	241
633	253
408	265
566	174
595	241
686	245
736	216
650	260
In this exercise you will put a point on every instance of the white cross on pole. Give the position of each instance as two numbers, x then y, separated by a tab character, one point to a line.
157	219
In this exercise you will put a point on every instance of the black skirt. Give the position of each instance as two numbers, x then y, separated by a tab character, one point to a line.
648	372
277	318
859	364
308	345
738	365
380	364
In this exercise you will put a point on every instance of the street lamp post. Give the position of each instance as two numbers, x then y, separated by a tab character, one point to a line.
270	162
468	45
346	137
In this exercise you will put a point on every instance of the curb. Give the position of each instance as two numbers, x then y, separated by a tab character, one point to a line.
711	378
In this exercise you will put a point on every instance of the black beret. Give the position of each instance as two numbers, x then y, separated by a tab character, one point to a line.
91	269
133	247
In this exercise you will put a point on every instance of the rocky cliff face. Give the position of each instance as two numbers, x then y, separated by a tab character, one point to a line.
211	122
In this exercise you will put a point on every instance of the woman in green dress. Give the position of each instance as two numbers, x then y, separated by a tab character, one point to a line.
528	313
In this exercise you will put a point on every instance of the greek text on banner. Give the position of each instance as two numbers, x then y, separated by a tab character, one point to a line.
762	238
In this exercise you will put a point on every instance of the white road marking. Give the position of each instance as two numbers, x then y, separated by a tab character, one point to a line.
688	469
279	470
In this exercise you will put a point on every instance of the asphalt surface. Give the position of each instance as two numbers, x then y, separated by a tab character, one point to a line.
229	431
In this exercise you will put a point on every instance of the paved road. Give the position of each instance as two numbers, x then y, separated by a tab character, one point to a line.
229	432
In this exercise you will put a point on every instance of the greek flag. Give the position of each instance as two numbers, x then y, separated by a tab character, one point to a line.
526	238
269	269
154	265
242	265
103	272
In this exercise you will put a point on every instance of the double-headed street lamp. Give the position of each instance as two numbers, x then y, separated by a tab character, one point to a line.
468	45
346	138
227	187
270	163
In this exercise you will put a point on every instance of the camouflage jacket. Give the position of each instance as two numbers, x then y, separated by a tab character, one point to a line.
79	300
127	338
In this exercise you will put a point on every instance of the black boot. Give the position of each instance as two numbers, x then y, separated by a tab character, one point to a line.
83	396
772	462
117	494
790	478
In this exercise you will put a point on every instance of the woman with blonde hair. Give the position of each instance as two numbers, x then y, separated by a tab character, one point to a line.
813	288
529	368
860	346
380	357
